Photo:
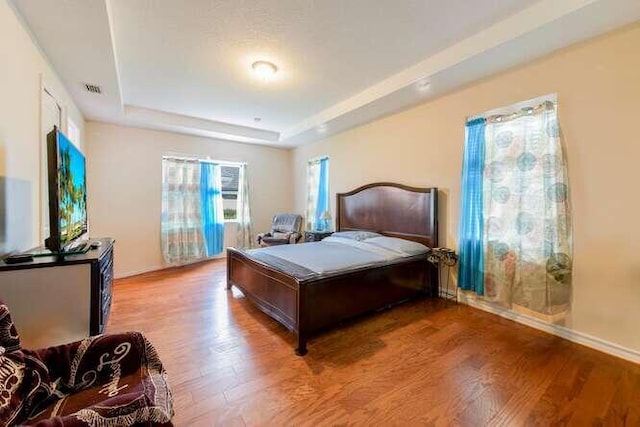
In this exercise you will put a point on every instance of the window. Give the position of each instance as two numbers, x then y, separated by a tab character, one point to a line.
192	225
318	213
515	235
198	195
230	186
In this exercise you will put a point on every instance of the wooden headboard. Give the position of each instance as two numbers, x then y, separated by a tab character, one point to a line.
394	210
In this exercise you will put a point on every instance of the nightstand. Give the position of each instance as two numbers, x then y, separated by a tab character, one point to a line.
316	235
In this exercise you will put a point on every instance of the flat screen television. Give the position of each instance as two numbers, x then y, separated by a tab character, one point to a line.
67	193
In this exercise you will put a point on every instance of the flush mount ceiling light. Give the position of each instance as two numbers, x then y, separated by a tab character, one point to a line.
264	70
423	85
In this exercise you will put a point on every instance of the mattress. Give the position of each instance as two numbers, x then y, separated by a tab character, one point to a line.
336	255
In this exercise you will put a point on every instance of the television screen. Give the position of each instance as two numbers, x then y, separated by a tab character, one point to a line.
67	192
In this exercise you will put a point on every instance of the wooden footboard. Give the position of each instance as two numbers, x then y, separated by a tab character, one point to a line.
307	306
273	292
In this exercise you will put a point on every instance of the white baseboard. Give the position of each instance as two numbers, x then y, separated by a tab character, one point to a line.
141	271
161	267
558	330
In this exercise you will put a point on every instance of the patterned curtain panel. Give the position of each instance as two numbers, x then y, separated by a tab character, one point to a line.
181	221
212	210
526	215
244	234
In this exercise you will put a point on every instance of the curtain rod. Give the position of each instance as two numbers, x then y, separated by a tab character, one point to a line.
204	160
317	159
520	111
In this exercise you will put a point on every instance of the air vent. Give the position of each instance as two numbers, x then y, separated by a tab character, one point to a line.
93	88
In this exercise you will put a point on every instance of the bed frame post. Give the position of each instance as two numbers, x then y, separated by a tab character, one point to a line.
301	350
302	345
229	261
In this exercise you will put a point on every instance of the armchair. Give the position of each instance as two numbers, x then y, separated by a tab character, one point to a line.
103	380
285	229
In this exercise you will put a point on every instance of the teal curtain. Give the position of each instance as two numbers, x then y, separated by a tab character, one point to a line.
471	249
323	195
211	207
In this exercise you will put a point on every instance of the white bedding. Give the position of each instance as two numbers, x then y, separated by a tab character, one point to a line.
336	254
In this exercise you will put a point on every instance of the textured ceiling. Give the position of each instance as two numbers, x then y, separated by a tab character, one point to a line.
185	65
193	57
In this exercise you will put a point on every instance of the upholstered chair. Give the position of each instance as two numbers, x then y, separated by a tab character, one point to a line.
285	229
105	380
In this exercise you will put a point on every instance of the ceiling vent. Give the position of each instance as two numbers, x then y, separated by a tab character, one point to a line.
93	88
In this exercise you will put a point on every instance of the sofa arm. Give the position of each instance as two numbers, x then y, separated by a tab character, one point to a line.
96	360
107	380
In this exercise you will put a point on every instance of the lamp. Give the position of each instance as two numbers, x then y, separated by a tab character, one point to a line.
326	219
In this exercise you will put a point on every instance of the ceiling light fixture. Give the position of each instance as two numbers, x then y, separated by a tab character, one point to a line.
264	70
423	85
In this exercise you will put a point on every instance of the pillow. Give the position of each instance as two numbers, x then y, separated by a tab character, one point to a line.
356	235
402	246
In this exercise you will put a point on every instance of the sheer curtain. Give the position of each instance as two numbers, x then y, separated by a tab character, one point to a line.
317	193
212	210
182	238
526	215
244	233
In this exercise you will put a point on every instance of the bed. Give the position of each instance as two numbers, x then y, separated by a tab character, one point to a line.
306	300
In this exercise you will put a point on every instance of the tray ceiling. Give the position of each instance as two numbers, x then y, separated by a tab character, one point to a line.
185	66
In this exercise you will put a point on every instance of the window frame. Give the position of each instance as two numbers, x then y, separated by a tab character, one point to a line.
221	163
236	166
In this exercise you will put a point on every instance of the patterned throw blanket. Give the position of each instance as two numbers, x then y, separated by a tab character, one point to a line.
110	380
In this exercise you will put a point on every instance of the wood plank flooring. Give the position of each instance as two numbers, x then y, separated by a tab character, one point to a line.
422	363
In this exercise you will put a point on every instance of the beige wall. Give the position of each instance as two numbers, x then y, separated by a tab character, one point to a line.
598	87
124	171
23	72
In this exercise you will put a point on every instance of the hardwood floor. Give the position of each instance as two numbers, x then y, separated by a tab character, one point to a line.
422	363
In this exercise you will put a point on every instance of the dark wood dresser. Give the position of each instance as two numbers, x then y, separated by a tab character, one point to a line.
101	281
54	300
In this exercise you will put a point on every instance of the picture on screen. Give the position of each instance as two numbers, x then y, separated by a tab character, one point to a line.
72	191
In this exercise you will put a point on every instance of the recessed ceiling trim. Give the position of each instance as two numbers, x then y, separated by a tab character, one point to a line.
114	47
87	52
196	126
535	16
